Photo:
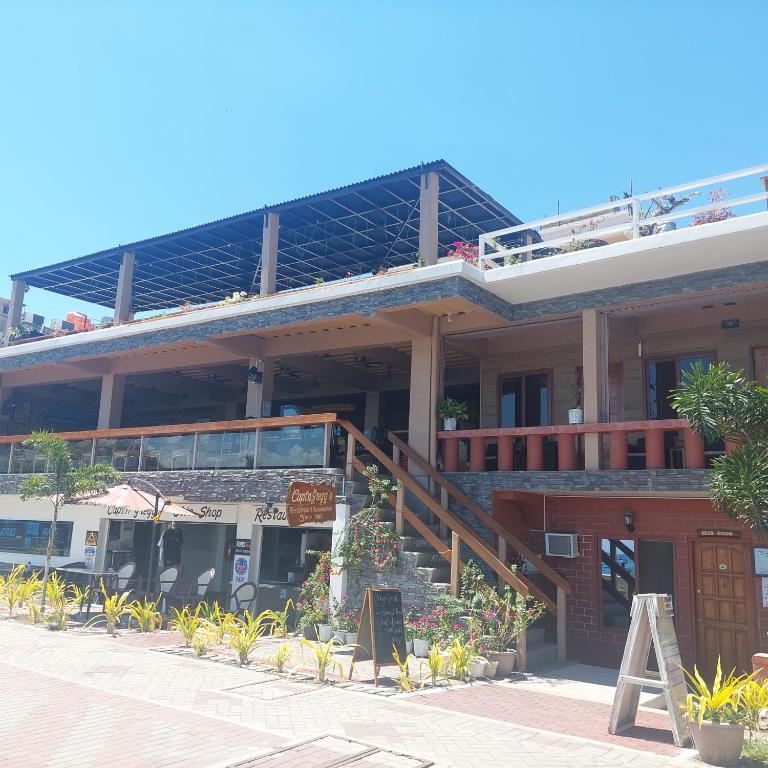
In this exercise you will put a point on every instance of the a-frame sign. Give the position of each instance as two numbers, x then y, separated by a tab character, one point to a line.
651	623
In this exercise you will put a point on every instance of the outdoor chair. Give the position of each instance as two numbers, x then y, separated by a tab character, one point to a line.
244	597
167	579
123	577
196	592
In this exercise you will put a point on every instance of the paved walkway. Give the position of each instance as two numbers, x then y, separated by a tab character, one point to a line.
86	700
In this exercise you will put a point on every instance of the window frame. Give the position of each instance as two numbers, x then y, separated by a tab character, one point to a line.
522	374
674	357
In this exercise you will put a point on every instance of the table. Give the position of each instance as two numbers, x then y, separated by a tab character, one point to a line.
92	576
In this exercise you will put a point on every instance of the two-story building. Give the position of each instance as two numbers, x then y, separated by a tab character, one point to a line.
306	339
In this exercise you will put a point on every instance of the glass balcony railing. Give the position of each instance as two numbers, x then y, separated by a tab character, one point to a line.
292	441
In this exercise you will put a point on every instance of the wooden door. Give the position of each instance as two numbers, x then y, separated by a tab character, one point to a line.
761	365
725	614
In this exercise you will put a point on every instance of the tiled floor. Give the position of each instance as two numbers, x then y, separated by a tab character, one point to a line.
89	701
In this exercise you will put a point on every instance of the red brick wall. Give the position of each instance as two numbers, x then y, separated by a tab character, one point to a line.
676	520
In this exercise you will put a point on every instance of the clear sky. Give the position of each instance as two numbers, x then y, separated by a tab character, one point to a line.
119	121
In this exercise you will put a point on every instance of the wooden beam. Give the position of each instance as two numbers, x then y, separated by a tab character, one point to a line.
416	322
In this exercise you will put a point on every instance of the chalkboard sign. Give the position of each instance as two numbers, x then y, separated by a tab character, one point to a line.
380	630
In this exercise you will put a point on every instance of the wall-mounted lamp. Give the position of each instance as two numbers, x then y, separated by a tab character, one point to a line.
255	375
629	520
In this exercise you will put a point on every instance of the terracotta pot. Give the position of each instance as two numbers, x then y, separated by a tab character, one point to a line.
505	660
718	743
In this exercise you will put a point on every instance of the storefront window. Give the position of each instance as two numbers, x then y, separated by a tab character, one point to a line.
30	537
617	571
292	447
288	554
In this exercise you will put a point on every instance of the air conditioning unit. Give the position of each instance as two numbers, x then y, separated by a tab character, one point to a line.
562	544
62	325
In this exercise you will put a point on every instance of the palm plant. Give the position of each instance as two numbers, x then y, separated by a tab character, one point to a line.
282	657
278	620
404	681
722	703
186	621
12	588
145	614
725	404
436	663
244	635
63	483
325	658
459	657
218	619
115	607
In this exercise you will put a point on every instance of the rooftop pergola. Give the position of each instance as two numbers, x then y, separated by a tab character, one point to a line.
384	222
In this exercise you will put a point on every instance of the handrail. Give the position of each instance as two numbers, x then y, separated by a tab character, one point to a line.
488	520
448	518
239	425
666	425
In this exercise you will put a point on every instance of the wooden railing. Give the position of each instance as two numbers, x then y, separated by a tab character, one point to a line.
529	444
505	539
460	533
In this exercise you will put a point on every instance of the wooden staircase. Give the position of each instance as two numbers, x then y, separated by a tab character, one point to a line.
446	531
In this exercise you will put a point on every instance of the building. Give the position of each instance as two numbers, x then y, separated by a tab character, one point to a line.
301	340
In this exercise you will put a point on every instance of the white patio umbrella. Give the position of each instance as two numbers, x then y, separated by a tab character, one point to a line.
126	498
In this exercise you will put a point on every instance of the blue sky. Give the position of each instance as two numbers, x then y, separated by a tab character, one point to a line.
122	121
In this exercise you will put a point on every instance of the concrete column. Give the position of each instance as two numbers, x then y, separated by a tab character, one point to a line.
260	393
111	401
15	307
339	573
429	192
269	243
124	295
594	328
425	379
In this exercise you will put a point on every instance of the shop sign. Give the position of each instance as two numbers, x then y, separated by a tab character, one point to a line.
243	547
241	562
720	533
89	557
212	513
91	538
310	503
270	515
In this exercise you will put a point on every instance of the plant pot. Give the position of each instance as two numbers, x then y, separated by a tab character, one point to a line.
718	743
340	635
505	661
449	425
409	646
351	637
490	669
325	632
421	647
309	632
476	668
575	416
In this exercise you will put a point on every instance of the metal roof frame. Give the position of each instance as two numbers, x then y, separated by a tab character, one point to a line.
345	231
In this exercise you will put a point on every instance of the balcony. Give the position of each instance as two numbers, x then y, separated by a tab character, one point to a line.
270	443
662	444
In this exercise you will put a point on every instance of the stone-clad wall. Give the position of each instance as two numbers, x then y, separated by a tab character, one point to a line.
231	485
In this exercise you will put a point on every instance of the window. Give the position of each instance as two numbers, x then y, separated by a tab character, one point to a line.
30	537
627	567
524	400
663	378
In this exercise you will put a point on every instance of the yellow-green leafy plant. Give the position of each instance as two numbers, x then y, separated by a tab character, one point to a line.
754	697
325	658
436	664
204	638
278	620
722	703
62	599
29	591
187	621
144	614
13	588
244	635
115	607
459	657
282	657
218	619
404	680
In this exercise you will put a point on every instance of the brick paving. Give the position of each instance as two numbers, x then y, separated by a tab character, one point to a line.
87	700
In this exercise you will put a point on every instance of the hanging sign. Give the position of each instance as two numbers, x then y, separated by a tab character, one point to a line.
91	538
720	533
310	503
381	630
241	563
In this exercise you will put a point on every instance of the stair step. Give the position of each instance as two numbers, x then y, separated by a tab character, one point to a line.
540	654
411	543
435	574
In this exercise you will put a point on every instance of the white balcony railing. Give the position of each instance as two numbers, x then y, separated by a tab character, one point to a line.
630	217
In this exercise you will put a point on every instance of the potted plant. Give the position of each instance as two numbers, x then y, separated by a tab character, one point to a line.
717	715
451	411
576	414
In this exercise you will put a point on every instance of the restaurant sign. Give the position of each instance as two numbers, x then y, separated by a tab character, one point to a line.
310	503
720	533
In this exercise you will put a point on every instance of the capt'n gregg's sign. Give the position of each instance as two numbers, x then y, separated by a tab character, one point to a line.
310	503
